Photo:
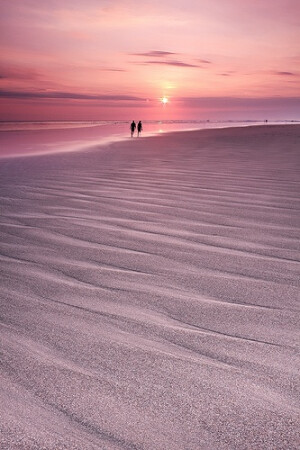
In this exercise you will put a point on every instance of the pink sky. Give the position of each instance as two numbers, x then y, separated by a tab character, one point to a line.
115	59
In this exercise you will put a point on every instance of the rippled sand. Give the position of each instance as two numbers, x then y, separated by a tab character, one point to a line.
150	294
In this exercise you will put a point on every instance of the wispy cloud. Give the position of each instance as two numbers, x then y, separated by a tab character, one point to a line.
285	74
163	59
239	102
14	73
108	69
154	54
66	95
204	61
229	73
169	63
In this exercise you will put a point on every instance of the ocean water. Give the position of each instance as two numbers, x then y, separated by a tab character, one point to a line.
28	138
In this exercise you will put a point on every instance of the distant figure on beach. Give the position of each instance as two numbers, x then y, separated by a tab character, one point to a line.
132	127
139	127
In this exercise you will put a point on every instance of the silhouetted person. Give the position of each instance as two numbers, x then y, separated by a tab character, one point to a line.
132	127
139	127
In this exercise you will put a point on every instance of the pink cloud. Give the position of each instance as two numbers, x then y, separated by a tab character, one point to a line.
169	63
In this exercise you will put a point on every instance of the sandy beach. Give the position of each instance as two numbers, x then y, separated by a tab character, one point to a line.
150	294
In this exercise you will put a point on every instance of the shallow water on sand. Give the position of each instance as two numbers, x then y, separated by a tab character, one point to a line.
27	138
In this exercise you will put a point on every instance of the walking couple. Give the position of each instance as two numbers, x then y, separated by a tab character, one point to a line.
133	127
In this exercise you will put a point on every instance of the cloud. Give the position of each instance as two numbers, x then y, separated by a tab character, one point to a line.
170	63
15	73
154	54
240	102
285	74
112	70
66	95
162	59
204	61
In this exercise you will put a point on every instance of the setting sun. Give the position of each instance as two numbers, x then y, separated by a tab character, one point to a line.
164	100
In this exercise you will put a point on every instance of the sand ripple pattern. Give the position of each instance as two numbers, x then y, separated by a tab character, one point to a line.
150	294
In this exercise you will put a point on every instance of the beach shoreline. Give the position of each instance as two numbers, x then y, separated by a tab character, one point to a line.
39	138
150	293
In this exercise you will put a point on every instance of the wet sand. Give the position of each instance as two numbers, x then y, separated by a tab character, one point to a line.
150	294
